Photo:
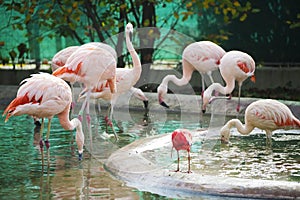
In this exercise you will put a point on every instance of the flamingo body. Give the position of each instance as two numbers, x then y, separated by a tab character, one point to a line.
203	56
43	96
234	66
89	64
265	114
182	140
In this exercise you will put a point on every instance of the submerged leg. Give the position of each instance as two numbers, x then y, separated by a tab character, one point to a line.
42	142
47	143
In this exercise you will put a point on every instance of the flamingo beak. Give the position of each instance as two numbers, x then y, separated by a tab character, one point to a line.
161	101
130	36
79	156
145	104
253	79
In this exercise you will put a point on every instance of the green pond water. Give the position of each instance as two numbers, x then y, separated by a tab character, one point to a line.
22	176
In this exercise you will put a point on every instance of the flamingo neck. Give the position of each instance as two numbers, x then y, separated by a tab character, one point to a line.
70	125
219	88
137	67
243	129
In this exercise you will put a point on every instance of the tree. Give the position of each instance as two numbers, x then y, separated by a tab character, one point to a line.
87	20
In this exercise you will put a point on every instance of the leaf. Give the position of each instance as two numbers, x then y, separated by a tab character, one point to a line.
176	15
243	17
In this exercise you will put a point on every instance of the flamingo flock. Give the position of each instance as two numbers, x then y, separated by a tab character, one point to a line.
94	64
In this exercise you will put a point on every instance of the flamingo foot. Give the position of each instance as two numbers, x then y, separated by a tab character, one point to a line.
41	145
79	156
238	108
108	121
88	118
47	144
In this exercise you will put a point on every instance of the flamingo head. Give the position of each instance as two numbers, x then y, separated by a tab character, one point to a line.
129	30
206	99
162	91
79	137
225	133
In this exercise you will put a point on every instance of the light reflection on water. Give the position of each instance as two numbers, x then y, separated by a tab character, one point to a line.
22	177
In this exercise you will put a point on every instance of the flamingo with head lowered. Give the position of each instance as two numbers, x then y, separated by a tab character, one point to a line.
125	78
89	64
234	66
265	114
203	56
182	140
44	96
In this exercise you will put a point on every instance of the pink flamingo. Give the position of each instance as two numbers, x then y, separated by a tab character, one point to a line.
89	64
182	140
43	96
125	78
265	114
234	66
202	56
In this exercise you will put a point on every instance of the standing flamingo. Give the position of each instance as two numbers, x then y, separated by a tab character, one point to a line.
265	114
43	96
125	78
234	66
202	56
89	64
182	140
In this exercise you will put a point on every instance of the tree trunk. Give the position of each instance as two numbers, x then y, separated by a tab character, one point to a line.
147	39
120	41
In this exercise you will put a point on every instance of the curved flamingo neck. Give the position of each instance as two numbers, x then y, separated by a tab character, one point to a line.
65	121
243	129
219	88
137	67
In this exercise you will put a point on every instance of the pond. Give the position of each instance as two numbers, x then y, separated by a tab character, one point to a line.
22	176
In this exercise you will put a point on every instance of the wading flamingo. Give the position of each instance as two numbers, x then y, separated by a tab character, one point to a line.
234	66
265	114
203	56
89	64
125	78
43	96
182	140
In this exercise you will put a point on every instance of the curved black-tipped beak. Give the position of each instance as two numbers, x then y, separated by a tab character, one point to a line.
223	141
80	156
203	111
145	104
164	104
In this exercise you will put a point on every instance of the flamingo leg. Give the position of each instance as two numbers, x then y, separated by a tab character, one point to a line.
203	85
47	143
239	100
42	142
189	163
109	121
178	159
